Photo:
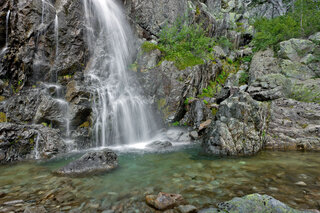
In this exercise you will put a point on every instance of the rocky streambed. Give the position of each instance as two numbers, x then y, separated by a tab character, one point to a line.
290	177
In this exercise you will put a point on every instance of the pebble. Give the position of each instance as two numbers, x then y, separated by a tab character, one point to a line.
187	209
300	183
13	202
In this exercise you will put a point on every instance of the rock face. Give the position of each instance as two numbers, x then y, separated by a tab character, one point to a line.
253	203
239	128
293	125
164	201
169	87
263	63
91	163
22	142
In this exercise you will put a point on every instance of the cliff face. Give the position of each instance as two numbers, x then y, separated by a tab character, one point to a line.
45	44
45	55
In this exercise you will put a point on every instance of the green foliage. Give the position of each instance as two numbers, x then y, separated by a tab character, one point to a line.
185	43
244	78
303	21
224	42
177	123
220	80
188	100
148	46
247	58
214	111
205	102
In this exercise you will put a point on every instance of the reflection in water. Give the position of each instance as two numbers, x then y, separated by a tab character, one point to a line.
203	181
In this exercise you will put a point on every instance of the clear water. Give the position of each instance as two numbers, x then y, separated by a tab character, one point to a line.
203	181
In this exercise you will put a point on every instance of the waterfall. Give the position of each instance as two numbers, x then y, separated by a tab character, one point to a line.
7	27
122	115
4	49
36	148
56	33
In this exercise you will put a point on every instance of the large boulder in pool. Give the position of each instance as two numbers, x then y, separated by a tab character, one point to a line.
91	163
253	203
239	128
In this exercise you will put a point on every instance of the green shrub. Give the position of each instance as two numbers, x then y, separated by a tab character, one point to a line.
216	86
148	46
185	43
302	21
224	42
244	78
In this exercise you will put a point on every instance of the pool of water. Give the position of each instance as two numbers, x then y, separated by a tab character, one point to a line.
203	181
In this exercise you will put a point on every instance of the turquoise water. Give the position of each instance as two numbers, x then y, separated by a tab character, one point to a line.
204	181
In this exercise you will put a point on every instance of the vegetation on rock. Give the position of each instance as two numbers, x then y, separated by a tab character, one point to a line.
302	21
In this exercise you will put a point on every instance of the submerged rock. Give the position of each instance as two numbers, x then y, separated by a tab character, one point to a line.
91	163
255	203
164	201
187	209
39	209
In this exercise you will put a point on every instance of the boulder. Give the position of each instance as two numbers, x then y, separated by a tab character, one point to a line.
295	49
91	163
187	209
164	201
239	128
263	63
315	37
39	209
297	70
253	203
160	145
270	87
178	134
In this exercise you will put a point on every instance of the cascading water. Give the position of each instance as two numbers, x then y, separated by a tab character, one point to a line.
7	33
7	27
56	33
36	149
123	116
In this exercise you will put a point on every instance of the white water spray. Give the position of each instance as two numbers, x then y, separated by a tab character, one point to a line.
123	116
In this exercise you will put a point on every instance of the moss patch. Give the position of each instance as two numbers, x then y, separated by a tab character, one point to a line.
3	117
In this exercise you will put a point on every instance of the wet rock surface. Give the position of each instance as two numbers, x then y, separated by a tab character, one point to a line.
159	145
91	163
22	142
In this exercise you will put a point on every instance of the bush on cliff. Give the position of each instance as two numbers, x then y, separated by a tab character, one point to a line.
184	43
302	21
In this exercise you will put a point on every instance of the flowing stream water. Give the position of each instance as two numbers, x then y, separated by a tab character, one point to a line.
203	181
122	114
